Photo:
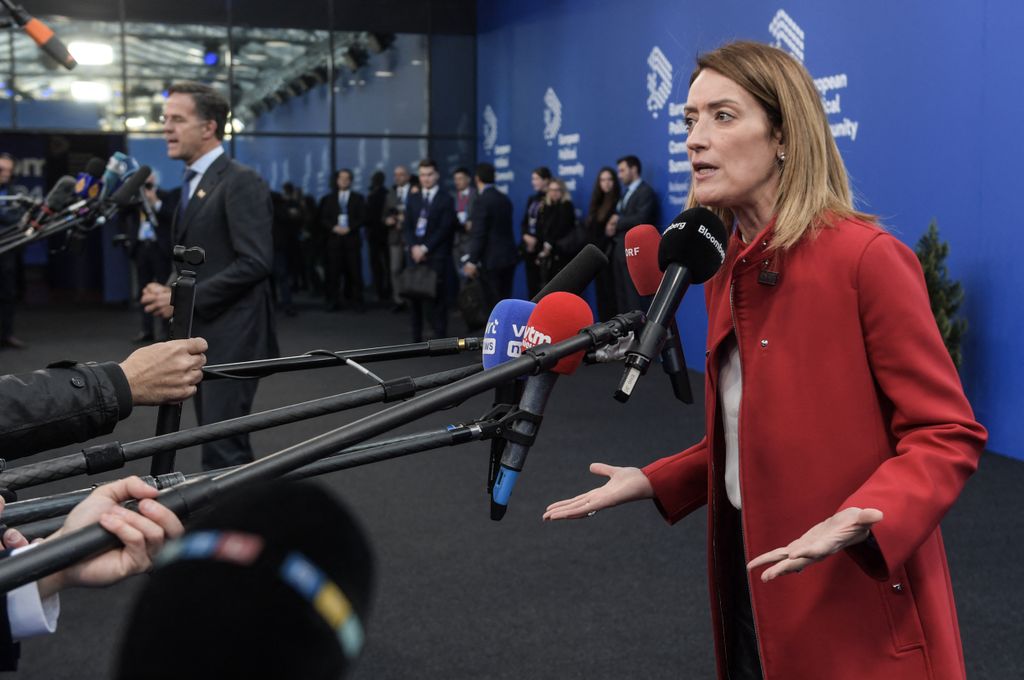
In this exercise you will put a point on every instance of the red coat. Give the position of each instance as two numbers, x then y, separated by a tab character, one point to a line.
849	399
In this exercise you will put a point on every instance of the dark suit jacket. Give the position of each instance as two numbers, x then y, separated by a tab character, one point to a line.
164	219
230	217
330	209
441	223
492	244
10	651
641	208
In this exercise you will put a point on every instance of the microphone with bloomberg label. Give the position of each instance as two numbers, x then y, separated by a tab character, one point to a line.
691	250
558	316
642	243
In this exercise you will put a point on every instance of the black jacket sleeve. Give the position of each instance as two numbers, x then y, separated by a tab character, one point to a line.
10	650
62	404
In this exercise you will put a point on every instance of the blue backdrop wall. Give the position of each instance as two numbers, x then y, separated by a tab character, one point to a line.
917	96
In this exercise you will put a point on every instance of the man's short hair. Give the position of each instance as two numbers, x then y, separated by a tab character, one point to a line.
210	104
485	173
462	170
631	161
4	156
343	170
428	163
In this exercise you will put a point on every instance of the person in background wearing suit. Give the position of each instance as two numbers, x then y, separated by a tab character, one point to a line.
9	261
377	236
491	254
398	198
529	244
149	245
342	214
637	206
225	209
430	224
603	200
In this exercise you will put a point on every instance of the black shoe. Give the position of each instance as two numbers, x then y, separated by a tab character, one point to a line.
400	307
290	311
332	307
13	343
142	337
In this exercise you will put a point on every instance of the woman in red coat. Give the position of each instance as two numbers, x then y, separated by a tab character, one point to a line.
837	431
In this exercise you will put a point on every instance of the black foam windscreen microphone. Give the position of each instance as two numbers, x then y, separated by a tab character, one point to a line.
128	193
61	196
691	251
577	275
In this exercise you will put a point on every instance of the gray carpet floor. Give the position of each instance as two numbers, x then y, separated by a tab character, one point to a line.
621	595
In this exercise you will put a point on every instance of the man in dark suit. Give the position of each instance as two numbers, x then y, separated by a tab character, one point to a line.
148	234
638	205
225	209
10	262
429	230
342	214
492	251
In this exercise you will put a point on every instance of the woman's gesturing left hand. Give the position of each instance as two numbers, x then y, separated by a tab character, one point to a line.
843	529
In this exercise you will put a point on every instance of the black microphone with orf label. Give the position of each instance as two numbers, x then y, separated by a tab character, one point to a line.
691	251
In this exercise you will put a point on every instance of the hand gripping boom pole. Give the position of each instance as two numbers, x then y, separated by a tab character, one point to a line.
59	553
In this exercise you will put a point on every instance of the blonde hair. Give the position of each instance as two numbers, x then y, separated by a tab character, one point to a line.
814	190
566	196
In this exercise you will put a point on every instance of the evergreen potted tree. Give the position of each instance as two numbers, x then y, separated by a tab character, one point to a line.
945	295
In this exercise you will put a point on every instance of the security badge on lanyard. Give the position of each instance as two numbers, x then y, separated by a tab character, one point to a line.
343	215
421	223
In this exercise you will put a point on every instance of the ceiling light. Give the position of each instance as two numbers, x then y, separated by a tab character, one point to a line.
91	53
383	74
89	91
135	122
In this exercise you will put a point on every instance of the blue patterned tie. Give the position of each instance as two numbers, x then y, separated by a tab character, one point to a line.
183	203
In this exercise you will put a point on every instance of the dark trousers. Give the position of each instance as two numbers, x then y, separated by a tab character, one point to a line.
344	261
435	311
8	291
626	297
533	275
742	658
282	282
604	287
219	400
152	264
380	267
496	285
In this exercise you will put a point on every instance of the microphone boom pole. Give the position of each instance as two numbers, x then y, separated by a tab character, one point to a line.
59	553
114	455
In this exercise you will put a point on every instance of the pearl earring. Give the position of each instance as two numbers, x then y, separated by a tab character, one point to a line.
782	156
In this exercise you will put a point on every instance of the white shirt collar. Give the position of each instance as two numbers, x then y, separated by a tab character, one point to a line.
206	160
633	185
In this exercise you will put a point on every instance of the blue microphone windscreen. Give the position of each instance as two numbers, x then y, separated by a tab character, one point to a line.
503	337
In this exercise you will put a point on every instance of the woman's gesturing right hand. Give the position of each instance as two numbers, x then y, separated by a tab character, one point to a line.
624	484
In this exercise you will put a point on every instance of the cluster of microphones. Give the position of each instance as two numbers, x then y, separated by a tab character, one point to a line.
526	346
79	204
